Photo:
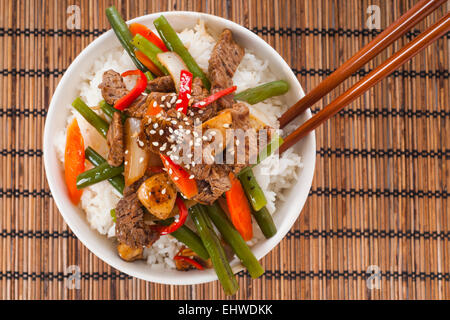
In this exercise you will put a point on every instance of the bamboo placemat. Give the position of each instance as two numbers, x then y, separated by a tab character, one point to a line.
380	192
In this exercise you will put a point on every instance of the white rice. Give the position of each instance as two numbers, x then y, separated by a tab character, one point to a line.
273	176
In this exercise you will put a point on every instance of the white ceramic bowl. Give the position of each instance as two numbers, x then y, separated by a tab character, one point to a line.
103	247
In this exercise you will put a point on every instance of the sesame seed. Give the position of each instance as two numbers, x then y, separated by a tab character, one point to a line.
226	125
161	132
237	142
140	143
155	143
163	98
179	101
188	96
173	99
163	191
155	104
141	159
168	104
170	130
202	103
170	171
173	122
126	151
191	176
175	178
152	131
155	125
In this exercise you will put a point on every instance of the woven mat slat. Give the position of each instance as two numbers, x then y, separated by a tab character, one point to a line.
380	191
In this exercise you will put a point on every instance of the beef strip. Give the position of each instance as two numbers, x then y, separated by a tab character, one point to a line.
198	93
225	59
112	86
166	130
211	188
161	84
130	226
138	108
115	140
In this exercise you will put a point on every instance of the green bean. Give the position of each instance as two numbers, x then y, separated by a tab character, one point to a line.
270	148
109	110
252	189
173	43
113	214
94	119
118	181
97	174
149	76
150	50
265	222
263	92
214	248
189	238
234	239
123	34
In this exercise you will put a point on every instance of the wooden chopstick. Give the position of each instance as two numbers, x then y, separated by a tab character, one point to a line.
382	71
372	49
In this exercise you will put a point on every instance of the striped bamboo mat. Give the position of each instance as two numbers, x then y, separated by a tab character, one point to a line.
379	200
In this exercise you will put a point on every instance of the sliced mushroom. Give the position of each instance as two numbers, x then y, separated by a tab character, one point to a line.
158	195
128	253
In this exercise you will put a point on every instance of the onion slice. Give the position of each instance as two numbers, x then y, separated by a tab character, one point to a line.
174	64
136	158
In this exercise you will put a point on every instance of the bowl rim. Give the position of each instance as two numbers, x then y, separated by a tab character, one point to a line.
57	194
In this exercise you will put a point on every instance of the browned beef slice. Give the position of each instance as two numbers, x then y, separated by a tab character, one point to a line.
169	128
225	59
115	141
130	226
138	108
241	120
161	84
214	186
199	92
112	87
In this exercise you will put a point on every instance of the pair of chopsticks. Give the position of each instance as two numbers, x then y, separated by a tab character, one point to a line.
382	41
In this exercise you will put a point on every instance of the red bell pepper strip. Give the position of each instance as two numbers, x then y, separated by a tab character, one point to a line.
214	97
136	28
180	177
190	261
74	158
183	213
148	63
140	87
239	209
185	90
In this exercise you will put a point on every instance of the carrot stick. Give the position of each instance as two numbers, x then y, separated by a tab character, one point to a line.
137	28
74	160
239	209
148	63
